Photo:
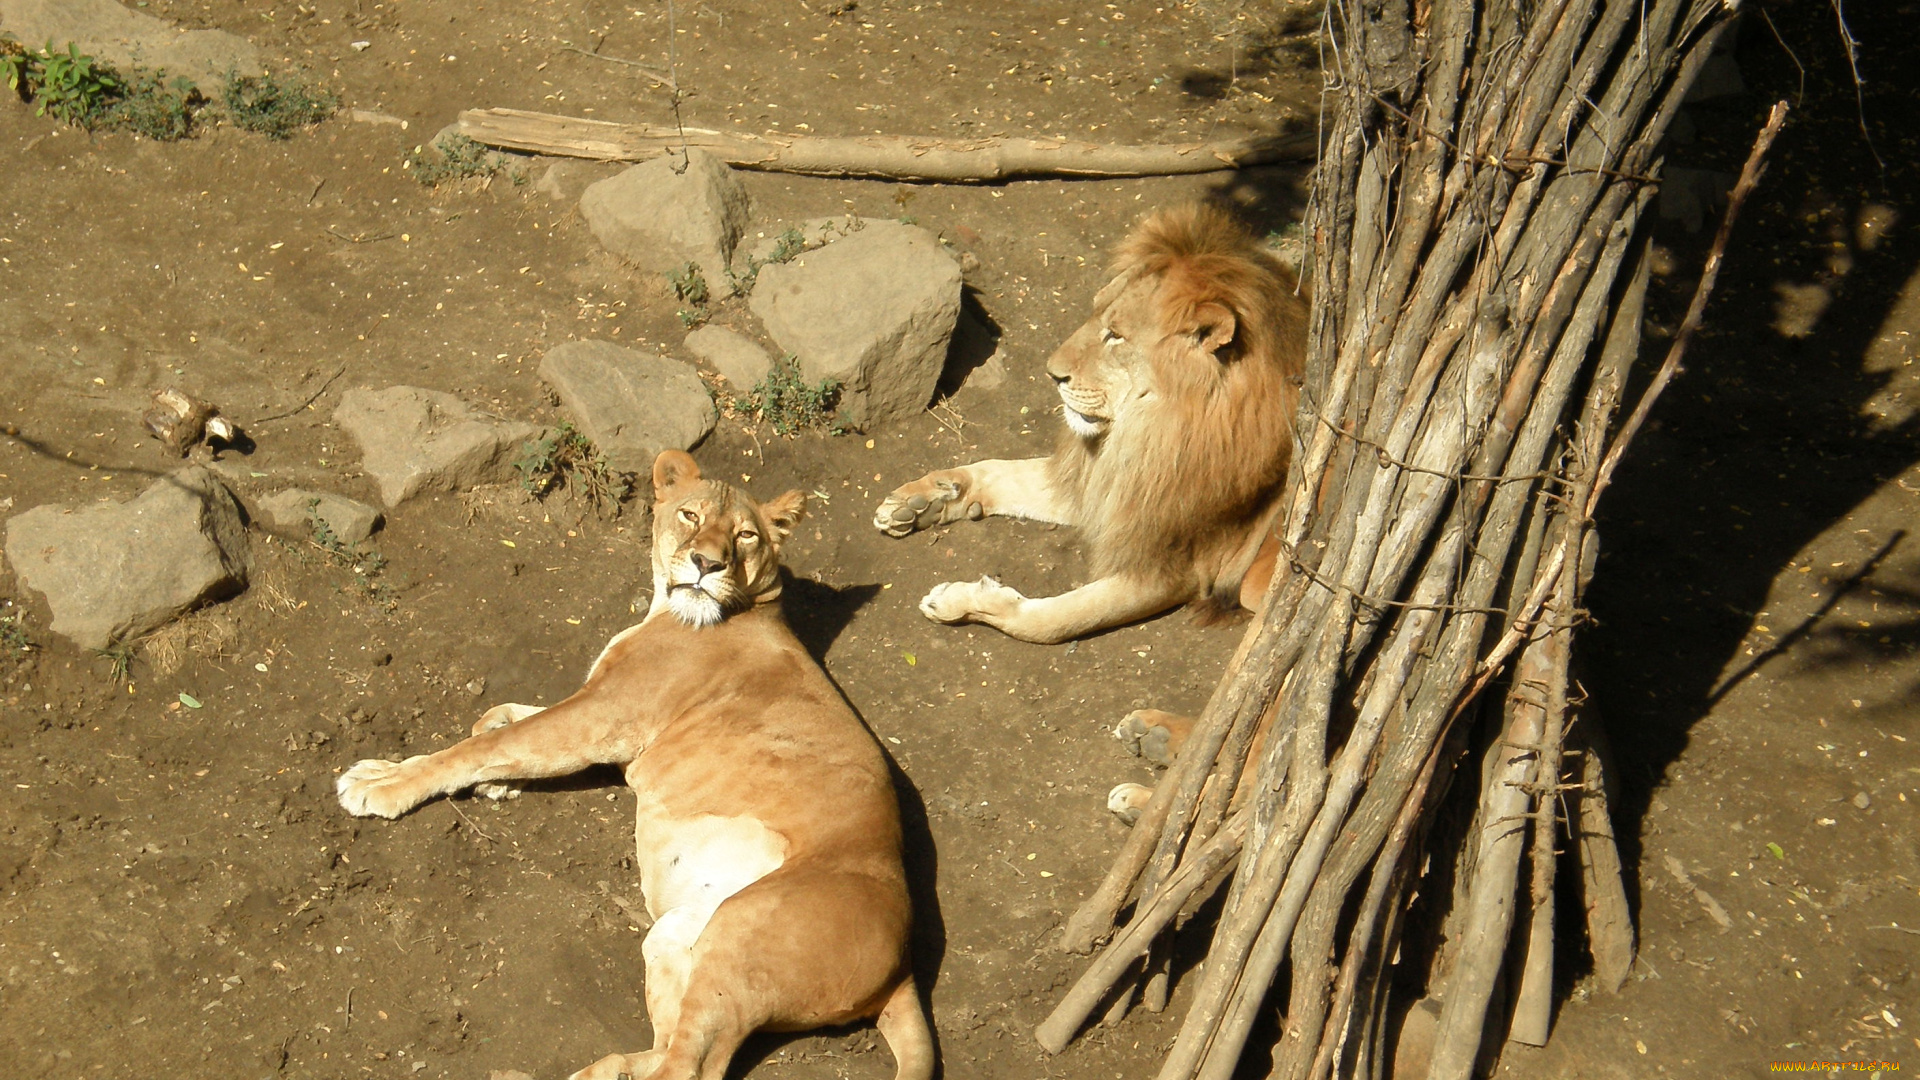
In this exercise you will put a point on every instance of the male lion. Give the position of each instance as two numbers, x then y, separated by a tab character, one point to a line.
1178	397
768	829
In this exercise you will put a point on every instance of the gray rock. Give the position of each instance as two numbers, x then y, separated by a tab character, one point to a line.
292	512
566	180
414	440
736	356
632	405
874	310
113	571
660	220
125	37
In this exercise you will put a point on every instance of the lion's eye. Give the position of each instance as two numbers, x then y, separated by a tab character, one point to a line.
748	537
1108	337
689	517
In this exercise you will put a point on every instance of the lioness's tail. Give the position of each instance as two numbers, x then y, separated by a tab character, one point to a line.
904	1023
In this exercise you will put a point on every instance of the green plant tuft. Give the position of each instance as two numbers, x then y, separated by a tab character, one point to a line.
785	247
452	157
159	108
791	404
564	456
273	106
690	287
13	636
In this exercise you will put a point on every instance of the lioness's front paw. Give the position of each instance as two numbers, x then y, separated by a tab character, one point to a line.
375	788
934	499
970	601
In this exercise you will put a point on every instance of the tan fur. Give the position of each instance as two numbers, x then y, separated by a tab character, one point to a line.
767	826
1179	395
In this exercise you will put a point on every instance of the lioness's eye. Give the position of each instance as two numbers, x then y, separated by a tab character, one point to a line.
689	517
1108	337
749	537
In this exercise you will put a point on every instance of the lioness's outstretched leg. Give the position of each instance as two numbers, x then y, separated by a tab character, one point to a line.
501	716
1049	620
554	742
1021	489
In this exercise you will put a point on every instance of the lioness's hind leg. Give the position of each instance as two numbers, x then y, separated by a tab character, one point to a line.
1154	735
903	1023
498	717
614	1066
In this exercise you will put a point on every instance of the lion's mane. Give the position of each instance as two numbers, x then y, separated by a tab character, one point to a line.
1178	489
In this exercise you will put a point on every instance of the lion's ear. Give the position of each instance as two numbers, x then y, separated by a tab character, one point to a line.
784	512
1213	328
672	469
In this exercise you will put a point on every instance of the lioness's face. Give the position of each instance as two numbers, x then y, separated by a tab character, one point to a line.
715	551
1104	368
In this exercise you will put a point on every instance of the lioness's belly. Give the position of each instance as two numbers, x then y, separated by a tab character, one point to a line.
698	862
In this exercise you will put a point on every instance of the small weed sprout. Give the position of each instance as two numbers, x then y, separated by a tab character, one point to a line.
366	564
14	640
452	157
690	287
790	404
566	457
273	106
119	658
785	247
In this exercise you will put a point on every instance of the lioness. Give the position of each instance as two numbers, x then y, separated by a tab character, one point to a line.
768	830
1178	397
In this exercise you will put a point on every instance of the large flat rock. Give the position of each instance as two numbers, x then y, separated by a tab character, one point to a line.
737	357
631	404
113	571
874	310
414	440
124	37
660	220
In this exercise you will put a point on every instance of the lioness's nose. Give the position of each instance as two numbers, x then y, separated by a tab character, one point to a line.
705	564
1057	377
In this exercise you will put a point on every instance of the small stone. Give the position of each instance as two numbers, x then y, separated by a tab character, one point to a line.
111	572
632	405
660	219
874	310
737	357
1862	800
414	440
293	512
505	1074
476	687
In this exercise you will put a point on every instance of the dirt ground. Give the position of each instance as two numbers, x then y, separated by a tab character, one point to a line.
179	893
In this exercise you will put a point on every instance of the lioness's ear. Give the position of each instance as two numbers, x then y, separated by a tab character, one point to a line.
672	469
1213	328
784	512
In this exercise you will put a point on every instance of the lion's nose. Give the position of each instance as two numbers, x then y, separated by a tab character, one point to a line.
706	564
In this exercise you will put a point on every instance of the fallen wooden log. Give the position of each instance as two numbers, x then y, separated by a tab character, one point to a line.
885	157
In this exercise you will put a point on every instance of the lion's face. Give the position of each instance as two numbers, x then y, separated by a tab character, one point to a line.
1113	364
716	552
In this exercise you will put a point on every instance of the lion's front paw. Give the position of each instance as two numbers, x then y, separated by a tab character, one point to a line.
1129	801
970	601
934	499
1143	738
375	788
